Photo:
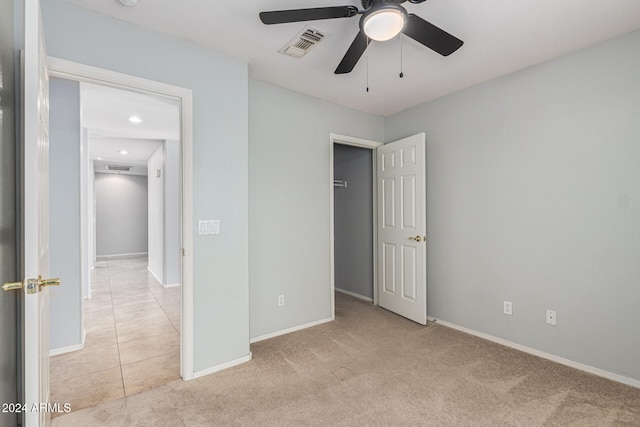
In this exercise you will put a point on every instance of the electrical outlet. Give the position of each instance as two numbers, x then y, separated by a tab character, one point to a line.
507	308
551	318
280	300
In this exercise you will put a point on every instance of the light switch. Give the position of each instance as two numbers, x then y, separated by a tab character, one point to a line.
208	226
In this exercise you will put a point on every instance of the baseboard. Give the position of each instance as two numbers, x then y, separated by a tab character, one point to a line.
289	330
69	349
577	365
353	294
168	285
222	366
114	256
153	274
171	285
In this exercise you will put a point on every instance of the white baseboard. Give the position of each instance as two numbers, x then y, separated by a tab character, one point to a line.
353	294
113	256
590	369
69	349
153	273
221	366
289	330
168	285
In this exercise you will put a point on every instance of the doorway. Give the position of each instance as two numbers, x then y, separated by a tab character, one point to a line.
177	316
348	162
399	216
353	221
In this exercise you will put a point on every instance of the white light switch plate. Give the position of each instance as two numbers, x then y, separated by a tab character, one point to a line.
208	226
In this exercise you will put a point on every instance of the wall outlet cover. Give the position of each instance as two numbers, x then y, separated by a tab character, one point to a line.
507	308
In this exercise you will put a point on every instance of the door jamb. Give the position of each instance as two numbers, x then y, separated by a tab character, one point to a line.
85	73
370	145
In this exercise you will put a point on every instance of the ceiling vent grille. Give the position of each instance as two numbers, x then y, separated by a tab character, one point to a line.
118	168
302	43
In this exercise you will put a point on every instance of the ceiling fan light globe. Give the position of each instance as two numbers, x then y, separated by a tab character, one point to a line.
383	24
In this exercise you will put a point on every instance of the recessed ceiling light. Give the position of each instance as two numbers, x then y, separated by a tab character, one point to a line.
99	158
129	2
123	152
135	119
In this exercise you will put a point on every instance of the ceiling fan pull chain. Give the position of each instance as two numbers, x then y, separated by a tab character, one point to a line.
401	73
367	65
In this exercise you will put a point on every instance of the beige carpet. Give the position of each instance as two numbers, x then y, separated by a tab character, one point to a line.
373	368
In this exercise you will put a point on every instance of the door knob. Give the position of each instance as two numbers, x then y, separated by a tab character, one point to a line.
32	285
47	282
12	286
418	238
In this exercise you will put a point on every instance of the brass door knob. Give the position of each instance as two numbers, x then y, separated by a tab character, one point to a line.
47	282
418	238
32	285
12	286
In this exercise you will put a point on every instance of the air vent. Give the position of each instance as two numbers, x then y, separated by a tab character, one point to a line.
118	168
301	44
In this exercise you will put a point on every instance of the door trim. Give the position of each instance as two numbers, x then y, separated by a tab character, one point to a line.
85	73
335	138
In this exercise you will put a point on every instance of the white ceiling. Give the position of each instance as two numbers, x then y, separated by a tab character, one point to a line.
106	112
501	36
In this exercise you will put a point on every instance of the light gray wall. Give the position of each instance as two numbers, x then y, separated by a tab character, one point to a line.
172	205
155	190
164	213
353	220
220	174
86	212
533	197
65	307
289	188
8	339
121	214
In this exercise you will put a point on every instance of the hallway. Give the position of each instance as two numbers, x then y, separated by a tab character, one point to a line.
132	337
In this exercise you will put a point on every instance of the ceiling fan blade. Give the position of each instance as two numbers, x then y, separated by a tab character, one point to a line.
431	36
355	51
297	15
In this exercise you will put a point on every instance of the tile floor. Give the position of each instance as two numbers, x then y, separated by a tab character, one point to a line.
133	337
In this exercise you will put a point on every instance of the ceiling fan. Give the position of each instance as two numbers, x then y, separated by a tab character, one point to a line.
381	20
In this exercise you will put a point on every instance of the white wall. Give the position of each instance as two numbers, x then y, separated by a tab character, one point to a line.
121	214
289	188
155	185
65	312
533	197
220	174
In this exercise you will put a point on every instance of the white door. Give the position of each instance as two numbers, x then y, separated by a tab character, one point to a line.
402	227
35	199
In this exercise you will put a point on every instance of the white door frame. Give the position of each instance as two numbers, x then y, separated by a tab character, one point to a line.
85	73
370	145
